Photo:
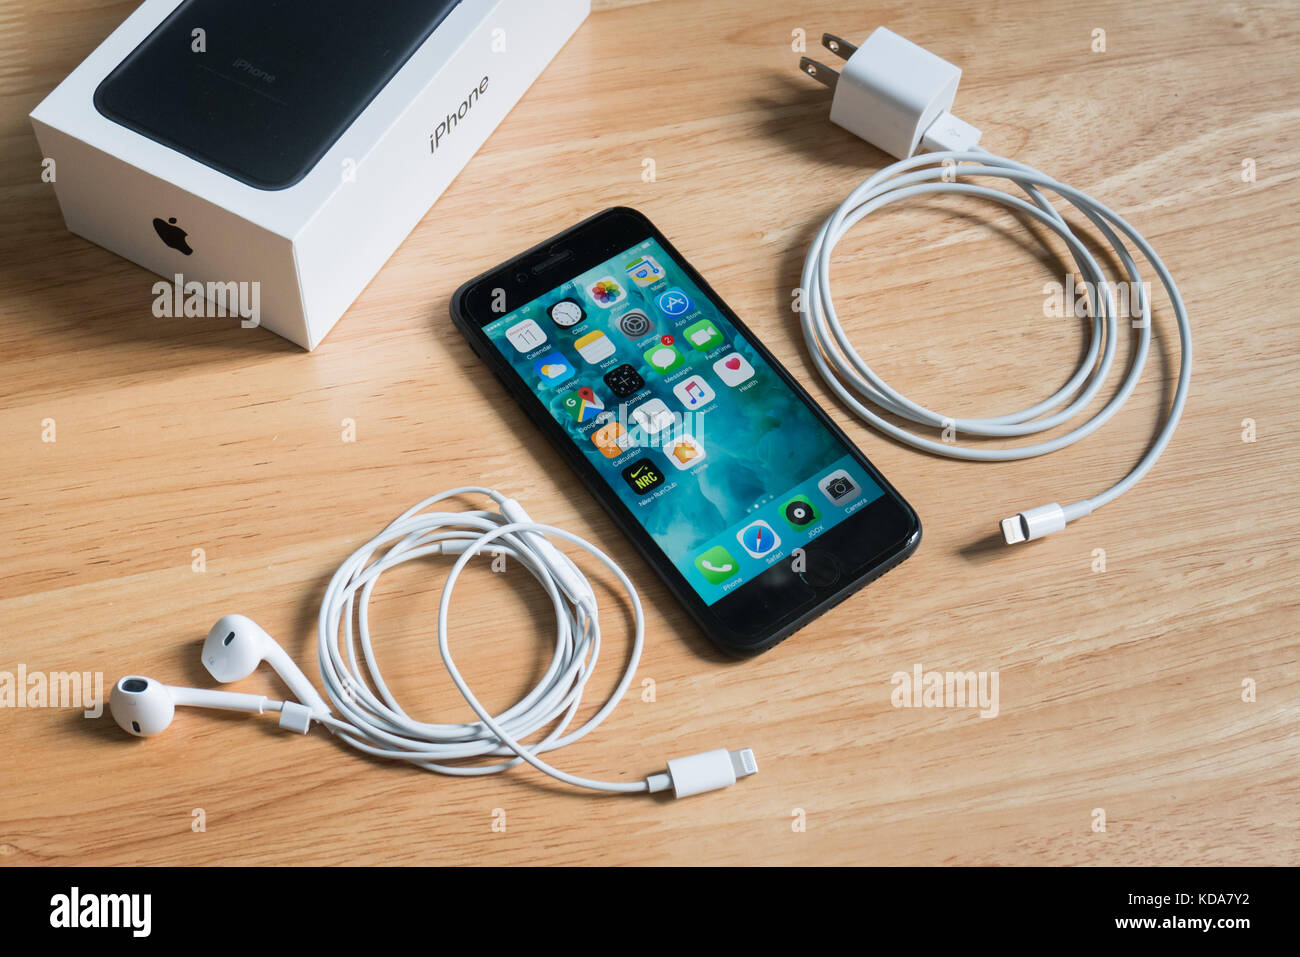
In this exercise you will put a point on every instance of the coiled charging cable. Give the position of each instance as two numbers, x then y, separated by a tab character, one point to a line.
851	378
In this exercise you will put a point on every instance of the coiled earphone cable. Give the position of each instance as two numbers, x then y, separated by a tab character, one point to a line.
370	719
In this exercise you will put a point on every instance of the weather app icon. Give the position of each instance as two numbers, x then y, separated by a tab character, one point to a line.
553	367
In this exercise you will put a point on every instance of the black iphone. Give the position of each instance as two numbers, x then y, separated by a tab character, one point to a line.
261	89
738	489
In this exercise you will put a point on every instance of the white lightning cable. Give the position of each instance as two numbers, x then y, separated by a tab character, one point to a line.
865	392
897	96
369	717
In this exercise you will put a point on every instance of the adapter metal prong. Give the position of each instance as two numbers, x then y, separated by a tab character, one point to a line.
819	72
840	47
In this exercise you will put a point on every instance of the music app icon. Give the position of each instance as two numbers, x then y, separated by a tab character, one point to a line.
694	393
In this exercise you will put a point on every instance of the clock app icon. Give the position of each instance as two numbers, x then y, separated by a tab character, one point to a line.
566	313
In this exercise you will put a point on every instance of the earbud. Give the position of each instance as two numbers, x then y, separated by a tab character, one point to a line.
235	647
144	707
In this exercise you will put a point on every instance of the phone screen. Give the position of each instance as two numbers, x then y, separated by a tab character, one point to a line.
721	462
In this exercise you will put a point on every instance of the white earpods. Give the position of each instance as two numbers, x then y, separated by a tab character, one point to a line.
144	707
235	647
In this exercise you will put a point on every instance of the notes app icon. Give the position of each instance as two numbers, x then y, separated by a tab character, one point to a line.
594	347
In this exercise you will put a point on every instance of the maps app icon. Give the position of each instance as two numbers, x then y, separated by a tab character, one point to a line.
582	404
645	271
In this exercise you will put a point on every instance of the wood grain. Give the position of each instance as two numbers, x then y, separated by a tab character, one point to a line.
1120	690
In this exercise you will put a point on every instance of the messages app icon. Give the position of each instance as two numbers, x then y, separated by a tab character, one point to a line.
717	565
663	358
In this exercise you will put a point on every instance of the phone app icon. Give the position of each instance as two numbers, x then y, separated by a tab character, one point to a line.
839	487
553	367
607	292
664	358
704	335
758	538
582	404
684	452
799	512
733	369
694	392
653	416
674	302
566	313
642	476
594	347
624	380
526	336
645	271
717	565
611	439
634	324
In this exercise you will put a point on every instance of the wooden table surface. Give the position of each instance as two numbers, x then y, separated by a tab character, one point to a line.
1126	647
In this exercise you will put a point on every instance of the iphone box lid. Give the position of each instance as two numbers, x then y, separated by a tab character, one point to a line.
254	173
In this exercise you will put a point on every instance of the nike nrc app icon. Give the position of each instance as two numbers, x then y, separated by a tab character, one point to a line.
642	476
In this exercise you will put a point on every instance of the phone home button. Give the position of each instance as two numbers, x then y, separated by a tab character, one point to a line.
821	568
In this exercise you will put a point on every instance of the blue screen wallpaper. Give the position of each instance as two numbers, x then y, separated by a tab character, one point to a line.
720	461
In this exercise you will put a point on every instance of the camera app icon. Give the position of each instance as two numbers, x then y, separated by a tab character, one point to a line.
839	487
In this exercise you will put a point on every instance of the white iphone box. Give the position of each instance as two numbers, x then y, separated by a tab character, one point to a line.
267	159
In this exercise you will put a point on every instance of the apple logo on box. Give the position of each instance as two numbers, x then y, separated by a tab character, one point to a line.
172	234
